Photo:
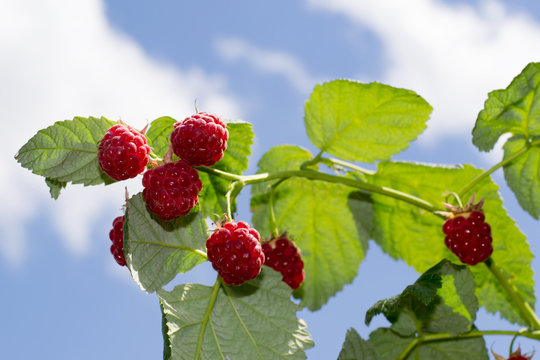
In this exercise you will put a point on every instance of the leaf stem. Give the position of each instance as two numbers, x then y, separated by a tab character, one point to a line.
273	222
487	173
472	334
211	303
524	307
317	159
317	175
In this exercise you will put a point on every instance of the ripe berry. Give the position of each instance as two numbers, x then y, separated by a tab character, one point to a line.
516	355
123	152
171	190
235	252
282	255
469	237
200	139
117	237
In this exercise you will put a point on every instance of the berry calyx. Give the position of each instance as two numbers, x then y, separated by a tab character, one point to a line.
468	236
123	152
117	237
283	256
516	355
200	139
235	252
171	190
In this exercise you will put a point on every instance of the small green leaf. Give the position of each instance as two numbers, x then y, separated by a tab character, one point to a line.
67	151
156	251
523	174
390	345
159	134
364	122
356	348
235	160
55	187
514	110
415	235
256	320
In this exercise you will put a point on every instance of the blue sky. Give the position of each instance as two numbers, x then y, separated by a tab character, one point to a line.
63	295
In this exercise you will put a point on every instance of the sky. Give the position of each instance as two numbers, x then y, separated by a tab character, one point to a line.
63	294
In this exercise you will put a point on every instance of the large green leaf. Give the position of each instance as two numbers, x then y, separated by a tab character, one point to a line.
256	320
390	345
523	174
414	235
356	348
155	250
159	134
235	160
514	110
330	223
364	122
67	152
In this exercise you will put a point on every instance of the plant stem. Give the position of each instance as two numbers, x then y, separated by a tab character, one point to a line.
487	173
273	223
232	192
317	175
524	307
317	159
472	334
211	303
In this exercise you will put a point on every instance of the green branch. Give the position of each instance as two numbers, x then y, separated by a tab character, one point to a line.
473	334
502	163
524	307
317	175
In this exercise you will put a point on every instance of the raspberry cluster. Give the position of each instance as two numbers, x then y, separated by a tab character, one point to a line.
123	152
171	190
235	252
283	256
200	139
469	237
117	237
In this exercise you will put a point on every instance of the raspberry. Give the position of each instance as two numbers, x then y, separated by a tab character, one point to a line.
200	139
282	255
117	237
123	152
469	237
235	252
516	355
171	190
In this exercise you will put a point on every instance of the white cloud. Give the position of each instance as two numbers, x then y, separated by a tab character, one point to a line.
452	55
60	59
268	61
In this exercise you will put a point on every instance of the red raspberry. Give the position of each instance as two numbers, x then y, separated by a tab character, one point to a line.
516	355
123	152
469	237
235	252
117	237
171	190
282	255
200	139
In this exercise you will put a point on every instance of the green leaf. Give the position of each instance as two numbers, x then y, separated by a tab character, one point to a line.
279	158
390	345
235	160
330	223
55	187
159	134
155	250
67	151
364	122
256	320
414	235
356	348
514	110
523	174
165	333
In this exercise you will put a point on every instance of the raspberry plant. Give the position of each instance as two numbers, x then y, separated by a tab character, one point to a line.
331	207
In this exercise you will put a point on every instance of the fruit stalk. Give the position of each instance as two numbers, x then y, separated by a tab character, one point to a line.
524	307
